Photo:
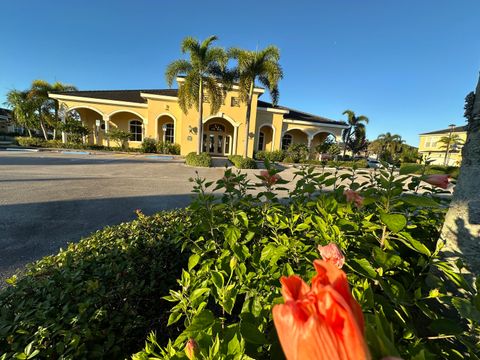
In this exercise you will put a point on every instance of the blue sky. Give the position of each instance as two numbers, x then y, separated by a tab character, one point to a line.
406	64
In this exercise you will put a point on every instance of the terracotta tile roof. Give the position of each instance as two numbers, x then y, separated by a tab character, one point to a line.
300	115
446	131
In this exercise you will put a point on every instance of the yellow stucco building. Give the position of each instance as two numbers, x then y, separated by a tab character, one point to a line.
156	114
431	148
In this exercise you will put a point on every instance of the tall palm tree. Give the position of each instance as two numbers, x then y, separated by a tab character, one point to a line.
203	72
252	66
23	109
40	90
449	143
356	125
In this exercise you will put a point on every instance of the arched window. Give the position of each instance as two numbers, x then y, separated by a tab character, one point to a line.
286	141
216	127
169	135
136	133
261	141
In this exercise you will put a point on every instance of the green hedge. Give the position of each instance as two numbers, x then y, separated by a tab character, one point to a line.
98	298
346	164
272	156
242	163
203	160
413	168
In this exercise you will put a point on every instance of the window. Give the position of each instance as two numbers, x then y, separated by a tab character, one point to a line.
286	141
235	102
169	133
135	130
261	141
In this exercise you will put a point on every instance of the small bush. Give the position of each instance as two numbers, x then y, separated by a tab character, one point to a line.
149	145
413	168
30	141
272	156
203	160
362	163
242	163
99	297
297	153
168	148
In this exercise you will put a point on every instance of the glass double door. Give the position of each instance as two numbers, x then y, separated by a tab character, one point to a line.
216	143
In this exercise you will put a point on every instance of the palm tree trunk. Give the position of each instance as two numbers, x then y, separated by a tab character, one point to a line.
247	118
461	230
200	118
345	142
29	132
42	125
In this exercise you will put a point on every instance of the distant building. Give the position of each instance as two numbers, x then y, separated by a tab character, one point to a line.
431	148
6	122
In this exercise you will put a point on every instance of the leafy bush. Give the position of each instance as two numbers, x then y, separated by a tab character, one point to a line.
120	136
413	168
99	297
297	153
243	243
272	156
362	163
168	148
30	141
149	145
242	163
203	160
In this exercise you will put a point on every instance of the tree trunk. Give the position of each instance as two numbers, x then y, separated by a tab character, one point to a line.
345	142
29	132
247	118
461	230
200	118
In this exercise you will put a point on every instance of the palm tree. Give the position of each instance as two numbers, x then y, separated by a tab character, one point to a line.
23	109
449	143
356	127
40	90
252	66
389	142
203	72
461	229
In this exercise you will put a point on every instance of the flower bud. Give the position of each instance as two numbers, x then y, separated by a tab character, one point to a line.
192	349
233	262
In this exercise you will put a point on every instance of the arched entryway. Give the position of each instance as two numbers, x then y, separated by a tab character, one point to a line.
129	122
166	128
294	136
321	137
92	119
266	134
218	137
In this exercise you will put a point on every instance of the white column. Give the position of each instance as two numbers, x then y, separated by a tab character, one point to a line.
62	114
106	119
234	145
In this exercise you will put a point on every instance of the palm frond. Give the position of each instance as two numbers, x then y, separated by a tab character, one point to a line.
177	67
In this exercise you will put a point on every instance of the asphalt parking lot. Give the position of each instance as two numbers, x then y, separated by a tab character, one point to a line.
50	199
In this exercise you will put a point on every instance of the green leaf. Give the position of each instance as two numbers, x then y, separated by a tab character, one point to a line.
193	261
203	321
466	309
197	293
218	279
174	317
394	222
363	267
272	253
423	201
413	244
386	259
232	234
251	333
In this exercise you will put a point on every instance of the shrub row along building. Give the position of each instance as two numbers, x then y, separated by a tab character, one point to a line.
156	114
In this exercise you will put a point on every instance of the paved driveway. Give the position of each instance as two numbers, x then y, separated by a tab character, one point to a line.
50	199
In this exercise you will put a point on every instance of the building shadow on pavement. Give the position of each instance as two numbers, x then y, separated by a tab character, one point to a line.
33	230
